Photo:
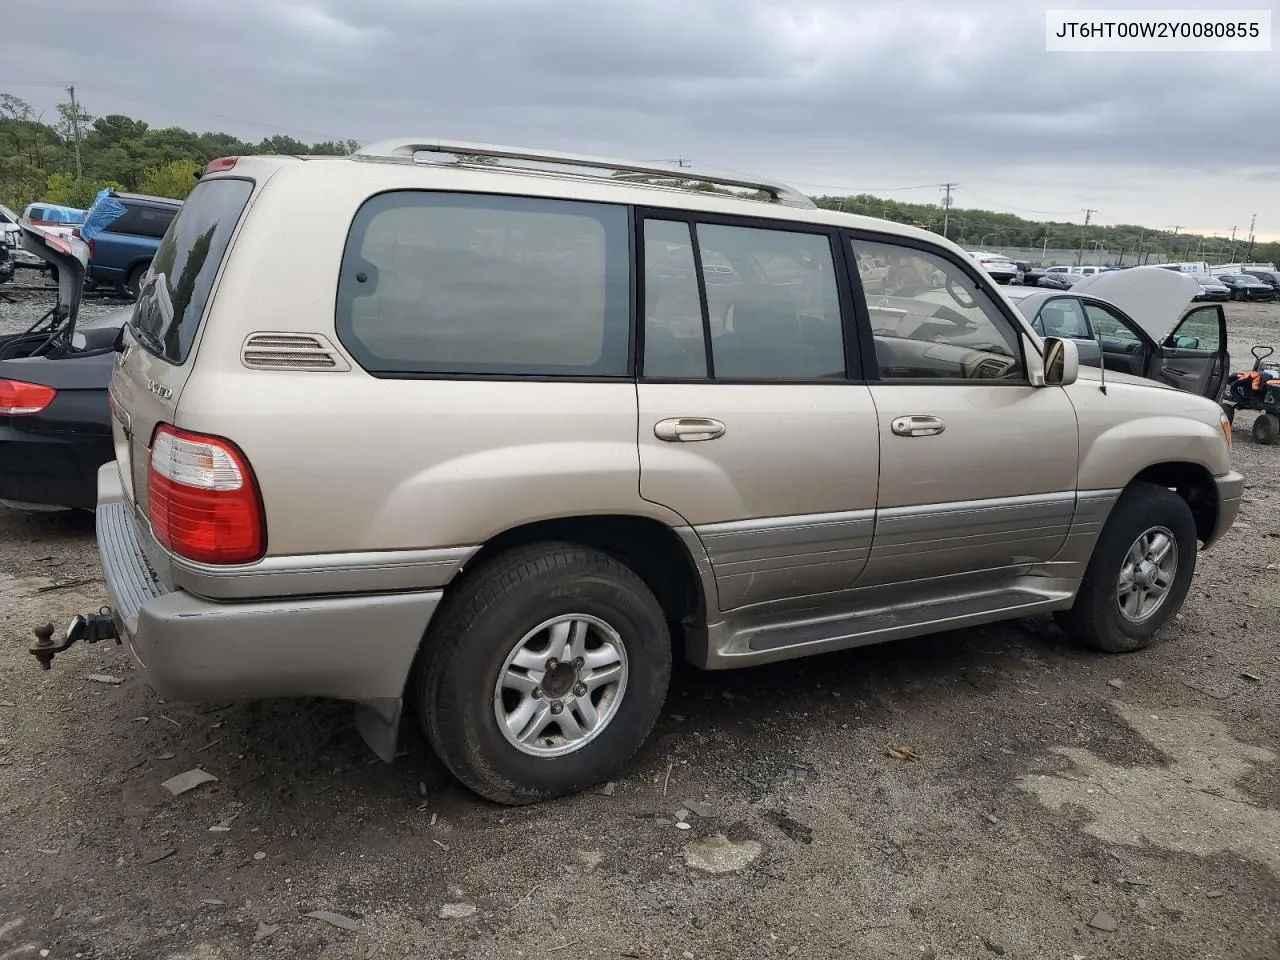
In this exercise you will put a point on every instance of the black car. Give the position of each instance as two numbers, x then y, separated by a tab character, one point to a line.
55	421
1245	287
1270	277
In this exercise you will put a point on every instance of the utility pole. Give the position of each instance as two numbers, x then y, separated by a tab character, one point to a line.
946	205
75	126
1252	221
1232	255
1080	256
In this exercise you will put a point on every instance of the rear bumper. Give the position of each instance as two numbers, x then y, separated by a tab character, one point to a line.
51	469
352	647
1230	490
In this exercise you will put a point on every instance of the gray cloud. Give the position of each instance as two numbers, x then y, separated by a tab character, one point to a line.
823	92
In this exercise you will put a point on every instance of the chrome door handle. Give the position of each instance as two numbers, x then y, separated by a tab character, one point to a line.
918	426
688	429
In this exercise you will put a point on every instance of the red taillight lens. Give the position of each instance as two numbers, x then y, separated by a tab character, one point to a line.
19	399
220	164
204	501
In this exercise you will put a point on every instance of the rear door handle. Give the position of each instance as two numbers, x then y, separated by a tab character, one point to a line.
688	429
918	426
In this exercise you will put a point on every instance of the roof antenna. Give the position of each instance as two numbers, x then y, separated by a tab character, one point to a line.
1102	360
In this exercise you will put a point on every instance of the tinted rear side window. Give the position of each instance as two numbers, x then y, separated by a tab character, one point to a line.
185	265
473	284
141	221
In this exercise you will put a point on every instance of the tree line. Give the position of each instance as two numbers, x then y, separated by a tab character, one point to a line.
69	159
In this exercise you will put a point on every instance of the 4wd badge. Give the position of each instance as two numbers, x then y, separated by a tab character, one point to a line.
160	390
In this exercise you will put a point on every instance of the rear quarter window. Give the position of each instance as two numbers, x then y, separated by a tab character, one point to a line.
169	311
482	285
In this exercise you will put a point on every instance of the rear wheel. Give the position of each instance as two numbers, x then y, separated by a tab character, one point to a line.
133	285
1266	429
545	673
1139	574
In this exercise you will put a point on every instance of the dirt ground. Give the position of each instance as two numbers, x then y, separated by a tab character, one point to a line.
1054	789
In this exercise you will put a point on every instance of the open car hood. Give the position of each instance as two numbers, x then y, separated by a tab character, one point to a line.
1153	297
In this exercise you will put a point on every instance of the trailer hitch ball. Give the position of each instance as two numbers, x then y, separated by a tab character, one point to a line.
91	629
42	649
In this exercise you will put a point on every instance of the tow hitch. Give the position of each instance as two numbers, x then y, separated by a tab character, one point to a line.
91	629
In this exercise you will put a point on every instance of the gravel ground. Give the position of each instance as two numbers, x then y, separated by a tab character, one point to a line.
33	294
1062	804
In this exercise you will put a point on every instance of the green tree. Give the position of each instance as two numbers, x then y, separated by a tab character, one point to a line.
175	179
74	191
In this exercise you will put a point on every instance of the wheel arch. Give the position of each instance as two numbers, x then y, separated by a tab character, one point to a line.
1194	484
652	549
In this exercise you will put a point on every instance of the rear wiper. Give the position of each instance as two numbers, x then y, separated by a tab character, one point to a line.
145	338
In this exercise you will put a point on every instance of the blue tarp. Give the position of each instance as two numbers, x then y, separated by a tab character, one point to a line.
105	211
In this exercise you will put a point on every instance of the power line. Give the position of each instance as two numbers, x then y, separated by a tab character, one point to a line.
852	190
1043	213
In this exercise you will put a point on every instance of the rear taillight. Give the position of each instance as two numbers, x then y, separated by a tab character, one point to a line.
204	501
20	399
89	243
221	164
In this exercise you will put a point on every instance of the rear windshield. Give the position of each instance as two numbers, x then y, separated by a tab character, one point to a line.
172	303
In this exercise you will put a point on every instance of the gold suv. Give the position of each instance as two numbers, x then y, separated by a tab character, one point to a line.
496	432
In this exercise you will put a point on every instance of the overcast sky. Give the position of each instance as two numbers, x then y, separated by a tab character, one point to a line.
836	96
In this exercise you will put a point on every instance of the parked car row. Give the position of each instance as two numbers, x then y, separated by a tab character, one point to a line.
119	253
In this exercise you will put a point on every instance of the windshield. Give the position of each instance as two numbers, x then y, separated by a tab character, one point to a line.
173	301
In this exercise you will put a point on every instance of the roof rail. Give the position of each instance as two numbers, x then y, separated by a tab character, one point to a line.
405	151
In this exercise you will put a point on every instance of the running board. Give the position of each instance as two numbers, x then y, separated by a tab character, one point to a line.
766	639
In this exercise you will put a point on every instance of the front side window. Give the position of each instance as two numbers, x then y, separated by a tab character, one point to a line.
771	298
1200	330
476	284
931	320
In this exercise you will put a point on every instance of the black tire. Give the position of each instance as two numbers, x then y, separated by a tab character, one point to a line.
484	620
1095	620
1266	429
133	285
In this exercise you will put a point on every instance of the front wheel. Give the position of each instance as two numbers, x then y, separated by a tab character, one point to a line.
545	673
1139	574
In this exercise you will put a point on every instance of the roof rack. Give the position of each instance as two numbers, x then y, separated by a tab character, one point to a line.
406	150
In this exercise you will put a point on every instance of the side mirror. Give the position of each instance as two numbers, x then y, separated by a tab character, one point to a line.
1187	343
1061	362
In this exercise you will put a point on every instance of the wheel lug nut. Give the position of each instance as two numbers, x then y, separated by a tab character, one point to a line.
580	690
579	662
556	706
537	693
552	663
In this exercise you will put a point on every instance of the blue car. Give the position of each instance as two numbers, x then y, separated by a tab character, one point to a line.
123	231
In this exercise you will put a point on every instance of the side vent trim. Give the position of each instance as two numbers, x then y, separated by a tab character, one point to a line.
291	351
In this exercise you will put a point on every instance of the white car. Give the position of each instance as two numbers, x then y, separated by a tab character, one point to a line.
999	267
11	236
